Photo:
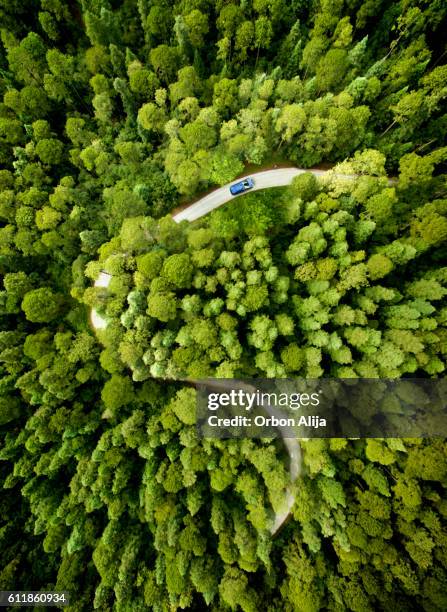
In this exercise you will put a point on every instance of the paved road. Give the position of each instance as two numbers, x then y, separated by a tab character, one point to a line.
279	177
97	320
295	469
268	178
263	180
290	442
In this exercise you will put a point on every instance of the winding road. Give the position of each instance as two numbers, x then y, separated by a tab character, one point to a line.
97	320
279	177
290	442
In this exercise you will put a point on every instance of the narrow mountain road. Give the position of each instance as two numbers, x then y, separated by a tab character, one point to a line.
97	320
289	440
279	177
295	469
263	180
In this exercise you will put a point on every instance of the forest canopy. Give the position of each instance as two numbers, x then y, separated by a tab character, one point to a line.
113	115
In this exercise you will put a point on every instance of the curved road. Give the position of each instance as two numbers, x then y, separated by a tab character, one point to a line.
290	442
97	320
295	468
263	180
279	177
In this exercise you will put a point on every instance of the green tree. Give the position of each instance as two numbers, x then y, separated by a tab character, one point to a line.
152	117
197	26
116	393
50	151
42	305
178	270
165	61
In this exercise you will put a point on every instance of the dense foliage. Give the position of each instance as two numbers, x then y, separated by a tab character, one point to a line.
325	290
113	114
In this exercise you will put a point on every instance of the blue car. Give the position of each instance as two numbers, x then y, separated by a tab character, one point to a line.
242	186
